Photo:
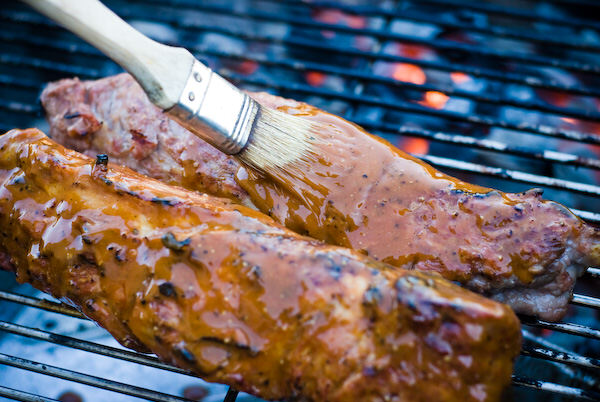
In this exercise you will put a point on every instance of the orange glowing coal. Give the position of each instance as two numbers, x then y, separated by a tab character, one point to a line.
434	99
247	67
409	73
332	16
569	120
417	146
459	78
315	78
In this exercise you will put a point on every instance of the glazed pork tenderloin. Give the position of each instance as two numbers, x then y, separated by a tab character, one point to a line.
226	292
362	193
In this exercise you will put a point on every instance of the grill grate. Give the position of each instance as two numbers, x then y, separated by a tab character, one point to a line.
284	43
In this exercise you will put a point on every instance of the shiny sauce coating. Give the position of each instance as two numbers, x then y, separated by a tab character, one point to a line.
226	292
358	191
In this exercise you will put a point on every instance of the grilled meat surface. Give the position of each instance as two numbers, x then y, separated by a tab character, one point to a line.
360	192
224	291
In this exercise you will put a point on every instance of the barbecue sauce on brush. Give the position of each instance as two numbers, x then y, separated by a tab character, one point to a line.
224	291
361	192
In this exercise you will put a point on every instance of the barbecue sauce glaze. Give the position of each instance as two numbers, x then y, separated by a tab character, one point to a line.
361	192
357	191
224	291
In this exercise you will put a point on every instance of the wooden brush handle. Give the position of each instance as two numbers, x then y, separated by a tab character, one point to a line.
161	70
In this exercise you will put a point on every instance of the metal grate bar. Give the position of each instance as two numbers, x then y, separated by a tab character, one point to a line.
543	130
482	144
21	61
556	388
515	13
91	347
47	305
567	358
440	44
573	329
349	97
9	81
586	301
593	272
310	66
87	379
305	66
573	372
23	396
231	395
18	107
588	216
546	354
527	80
411	15
513	175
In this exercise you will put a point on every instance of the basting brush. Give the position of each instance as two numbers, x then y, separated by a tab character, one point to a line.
188	91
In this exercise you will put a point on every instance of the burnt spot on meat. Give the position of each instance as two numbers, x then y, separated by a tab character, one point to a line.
231	342
167	289
163	201
255	272
119	255
172	243
88	258
372	296
334	270
70	116
139	137
86	239
91	305
184	353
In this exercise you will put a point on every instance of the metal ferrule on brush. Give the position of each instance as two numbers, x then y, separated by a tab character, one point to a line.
215	110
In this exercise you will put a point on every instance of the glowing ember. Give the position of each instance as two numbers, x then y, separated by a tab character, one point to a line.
409	73
434	99
569	120
417	146
459	78
559	99
315	78
247	67
333	16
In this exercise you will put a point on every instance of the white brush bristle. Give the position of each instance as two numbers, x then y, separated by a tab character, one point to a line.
280	141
